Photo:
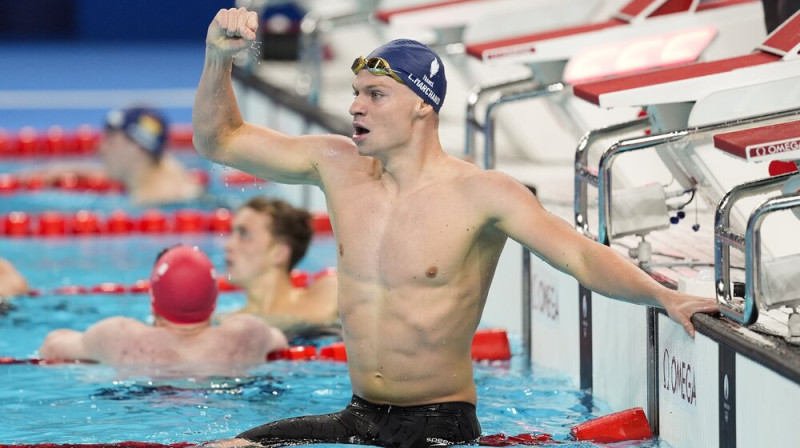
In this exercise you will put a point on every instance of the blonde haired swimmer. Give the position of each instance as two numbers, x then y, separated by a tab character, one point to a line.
419	235
184	294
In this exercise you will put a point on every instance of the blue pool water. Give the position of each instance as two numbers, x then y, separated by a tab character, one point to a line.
99	404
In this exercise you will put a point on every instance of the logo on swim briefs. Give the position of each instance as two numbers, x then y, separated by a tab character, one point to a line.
438	442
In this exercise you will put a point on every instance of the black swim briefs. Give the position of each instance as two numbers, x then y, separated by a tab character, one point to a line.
365	423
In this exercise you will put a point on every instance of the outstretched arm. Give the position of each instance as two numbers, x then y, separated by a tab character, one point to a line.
220	133
520	215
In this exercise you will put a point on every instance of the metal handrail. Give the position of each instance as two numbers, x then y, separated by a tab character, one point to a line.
584	176
476	94
639	143
310	54
749	243
752	241
724	237
488	126
604	174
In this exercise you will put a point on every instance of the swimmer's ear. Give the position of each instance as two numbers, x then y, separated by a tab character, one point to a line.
424	109
281	253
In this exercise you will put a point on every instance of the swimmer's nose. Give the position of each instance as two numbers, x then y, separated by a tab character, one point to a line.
356	107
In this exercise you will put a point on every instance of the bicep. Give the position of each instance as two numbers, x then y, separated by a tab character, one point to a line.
271	155
522	217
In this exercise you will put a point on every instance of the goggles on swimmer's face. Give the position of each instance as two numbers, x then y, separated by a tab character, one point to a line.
376	66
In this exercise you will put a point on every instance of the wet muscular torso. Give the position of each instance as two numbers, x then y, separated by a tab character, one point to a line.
414	271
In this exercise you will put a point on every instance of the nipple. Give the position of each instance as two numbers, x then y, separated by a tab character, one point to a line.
341	250
431	272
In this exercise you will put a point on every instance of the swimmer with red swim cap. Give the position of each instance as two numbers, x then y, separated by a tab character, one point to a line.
183	298
419	235
183	286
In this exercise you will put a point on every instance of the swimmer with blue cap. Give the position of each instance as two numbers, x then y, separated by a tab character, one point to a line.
419	234
133	152
183	291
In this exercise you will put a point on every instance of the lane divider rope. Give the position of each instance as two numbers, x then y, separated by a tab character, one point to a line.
488	344
83	140
118	222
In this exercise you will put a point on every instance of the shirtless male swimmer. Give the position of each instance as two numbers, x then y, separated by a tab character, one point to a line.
419	235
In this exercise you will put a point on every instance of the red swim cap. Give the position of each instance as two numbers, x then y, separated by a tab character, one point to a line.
183	285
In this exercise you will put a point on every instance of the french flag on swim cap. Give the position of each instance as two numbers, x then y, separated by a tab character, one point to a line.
420	68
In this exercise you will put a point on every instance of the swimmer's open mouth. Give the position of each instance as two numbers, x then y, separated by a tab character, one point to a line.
359	130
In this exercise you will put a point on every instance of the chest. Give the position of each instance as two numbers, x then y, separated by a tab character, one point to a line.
425	236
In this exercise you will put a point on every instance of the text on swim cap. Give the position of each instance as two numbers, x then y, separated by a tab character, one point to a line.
424	88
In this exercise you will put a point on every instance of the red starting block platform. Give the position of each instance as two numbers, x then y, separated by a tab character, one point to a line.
775	59
766	143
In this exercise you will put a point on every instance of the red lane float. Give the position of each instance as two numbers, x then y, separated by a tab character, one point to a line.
333	352
300	279
628	425
297	353
85	139
487	345
237	177
75	182
85	222
491	344
129	444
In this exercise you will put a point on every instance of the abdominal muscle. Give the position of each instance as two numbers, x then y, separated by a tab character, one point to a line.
409	346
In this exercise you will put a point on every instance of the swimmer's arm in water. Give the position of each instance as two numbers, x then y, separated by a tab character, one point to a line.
95	344
12	282
63	344
518	213
220	133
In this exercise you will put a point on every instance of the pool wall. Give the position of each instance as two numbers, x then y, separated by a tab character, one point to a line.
726	387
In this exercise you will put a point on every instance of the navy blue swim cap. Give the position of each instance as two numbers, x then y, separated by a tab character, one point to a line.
420	68
145	126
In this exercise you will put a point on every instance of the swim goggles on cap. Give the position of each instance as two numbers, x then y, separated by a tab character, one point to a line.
376	66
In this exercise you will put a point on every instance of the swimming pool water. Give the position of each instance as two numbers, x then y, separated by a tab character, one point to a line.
220	193
98	404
